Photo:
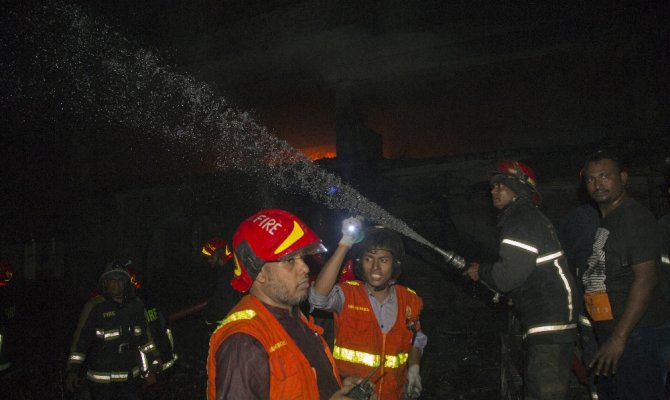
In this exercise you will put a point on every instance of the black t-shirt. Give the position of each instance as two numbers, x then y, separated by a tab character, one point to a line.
626	237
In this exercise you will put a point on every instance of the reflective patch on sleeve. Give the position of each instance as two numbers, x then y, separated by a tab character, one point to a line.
520	245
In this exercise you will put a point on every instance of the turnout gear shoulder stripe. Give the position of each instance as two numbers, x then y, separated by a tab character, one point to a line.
549	257
520	245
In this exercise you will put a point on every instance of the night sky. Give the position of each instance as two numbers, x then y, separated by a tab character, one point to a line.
433	78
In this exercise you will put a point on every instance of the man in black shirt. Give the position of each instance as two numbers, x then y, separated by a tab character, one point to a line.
630	319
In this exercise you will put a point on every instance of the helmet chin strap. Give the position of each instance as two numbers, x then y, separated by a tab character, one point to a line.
391	282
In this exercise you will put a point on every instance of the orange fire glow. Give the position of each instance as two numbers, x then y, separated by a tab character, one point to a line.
318	153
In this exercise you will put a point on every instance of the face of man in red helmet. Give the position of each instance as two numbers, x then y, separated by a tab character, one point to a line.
501	195
269	236
377	266
283	284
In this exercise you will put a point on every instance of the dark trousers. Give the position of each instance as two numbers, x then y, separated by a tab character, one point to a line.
642	368
547	371
127	390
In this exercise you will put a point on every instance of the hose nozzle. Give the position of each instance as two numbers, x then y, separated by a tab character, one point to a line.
451	258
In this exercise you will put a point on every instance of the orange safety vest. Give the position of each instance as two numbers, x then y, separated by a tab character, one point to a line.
291	375
360	346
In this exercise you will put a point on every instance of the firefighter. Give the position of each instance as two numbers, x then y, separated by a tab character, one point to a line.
223	298
8	297
532	270
376	320
266	348
112	340
157	322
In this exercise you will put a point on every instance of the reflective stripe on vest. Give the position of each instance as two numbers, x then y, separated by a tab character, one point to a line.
249	314
367	359
244	314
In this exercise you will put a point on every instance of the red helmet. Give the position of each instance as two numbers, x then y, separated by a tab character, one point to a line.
219	247
133	278
6	272
347	272
267	236
522	172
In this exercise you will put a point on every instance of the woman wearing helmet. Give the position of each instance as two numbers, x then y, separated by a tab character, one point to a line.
266	348
377	327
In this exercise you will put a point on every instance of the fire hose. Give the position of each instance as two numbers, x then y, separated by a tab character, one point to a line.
185	312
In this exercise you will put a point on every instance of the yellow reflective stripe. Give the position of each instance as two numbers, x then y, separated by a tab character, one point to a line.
357	357
396	361
138	330
295	235
352	283
244	314
367	359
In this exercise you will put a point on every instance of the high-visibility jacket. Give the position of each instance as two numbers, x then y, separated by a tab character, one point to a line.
361	346
291	375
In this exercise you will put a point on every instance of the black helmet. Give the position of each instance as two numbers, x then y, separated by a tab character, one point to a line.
117	268
381	238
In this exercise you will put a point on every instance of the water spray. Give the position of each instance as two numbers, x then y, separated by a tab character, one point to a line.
84	69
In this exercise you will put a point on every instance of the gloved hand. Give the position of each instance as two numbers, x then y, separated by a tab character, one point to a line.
352	231
72	381
413	388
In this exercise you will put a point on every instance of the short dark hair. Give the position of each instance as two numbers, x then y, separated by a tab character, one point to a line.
604	154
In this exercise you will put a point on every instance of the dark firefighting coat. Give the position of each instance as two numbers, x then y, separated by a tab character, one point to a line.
113	341
532	270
